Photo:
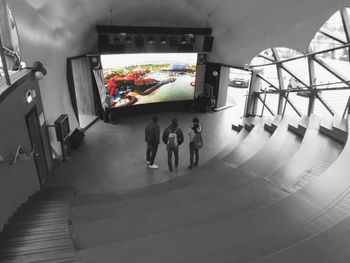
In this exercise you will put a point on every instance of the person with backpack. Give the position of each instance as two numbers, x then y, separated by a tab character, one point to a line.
173	138
152	134
196	142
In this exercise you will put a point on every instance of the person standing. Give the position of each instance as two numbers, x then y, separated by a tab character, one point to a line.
195	134
173	137
152	134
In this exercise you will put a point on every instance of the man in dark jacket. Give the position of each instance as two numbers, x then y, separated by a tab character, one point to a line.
152	134
173	137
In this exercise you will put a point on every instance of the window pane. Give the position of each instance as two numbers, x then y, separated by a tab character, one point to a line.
264	57
326	79
301	103
338	61
237	97
290	112
270	101
336	99
286	53
299	68
323	42
270	74
258	106
334	26
320	110
291	82
239	78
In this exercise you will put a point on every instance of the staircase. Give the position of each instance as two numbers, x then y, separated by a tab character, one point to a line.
39	230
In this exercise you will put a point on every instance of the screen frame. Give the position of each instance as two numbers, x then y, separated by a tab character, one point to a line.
153	53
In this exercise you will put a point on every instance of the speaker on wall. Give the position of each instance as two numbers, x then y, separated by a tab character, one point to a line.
208	43
76	138
201	59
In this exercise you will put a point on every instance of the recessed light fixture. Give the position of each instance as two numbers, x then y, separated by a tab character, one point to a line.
163	40
150	40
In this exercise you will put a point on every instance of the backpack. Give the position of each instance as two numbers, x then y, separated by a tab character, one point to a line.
197	141
172	139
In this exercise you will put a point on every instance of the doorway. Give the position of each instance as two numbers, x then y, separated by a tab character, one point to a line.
36	141
237	91
81	90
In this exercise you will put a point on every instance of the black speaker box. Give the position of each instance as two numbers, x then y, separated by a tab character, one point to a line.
208	43
76	138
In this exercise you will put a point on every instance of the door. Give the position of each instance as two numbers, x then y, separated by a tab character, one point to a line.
37	144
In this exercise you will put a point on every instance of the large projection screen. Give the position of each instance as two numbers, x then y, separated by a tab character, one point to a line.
134	79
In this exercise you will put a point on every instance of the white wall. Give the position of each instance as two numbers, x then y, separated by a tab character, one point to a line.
18	181
40	40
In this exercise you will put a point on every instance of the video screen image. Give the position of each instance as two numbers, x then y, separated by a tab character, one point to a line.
132	79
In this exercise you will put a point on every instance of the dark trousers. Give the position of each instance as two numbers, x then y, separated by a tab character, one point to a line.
151	152
170	156
193	151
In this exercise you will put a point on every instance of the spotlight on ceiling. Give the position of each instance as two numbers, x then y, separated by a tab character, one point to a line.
163	40
150	40
183	40
192	38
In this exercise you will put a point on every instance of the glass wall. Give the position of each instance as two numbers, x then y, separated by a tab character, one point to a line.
301	83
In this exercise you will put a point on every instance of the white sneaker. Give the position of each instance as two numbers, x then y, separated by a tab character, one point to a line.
154	166
148	162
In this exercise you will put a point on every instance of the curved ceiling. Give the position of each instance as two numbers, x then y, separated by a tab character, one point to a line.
51	31
241	28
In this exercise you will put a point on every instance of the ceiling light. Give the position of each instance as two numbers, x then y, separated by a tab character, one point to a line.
163	40
150	40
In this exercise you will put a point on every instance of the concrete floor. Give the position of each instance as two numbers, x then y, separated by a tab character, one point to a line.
112	159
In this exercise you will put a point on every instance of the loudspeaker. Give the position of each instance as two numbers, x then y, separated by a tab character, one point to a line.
76	138
208	43
201	59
